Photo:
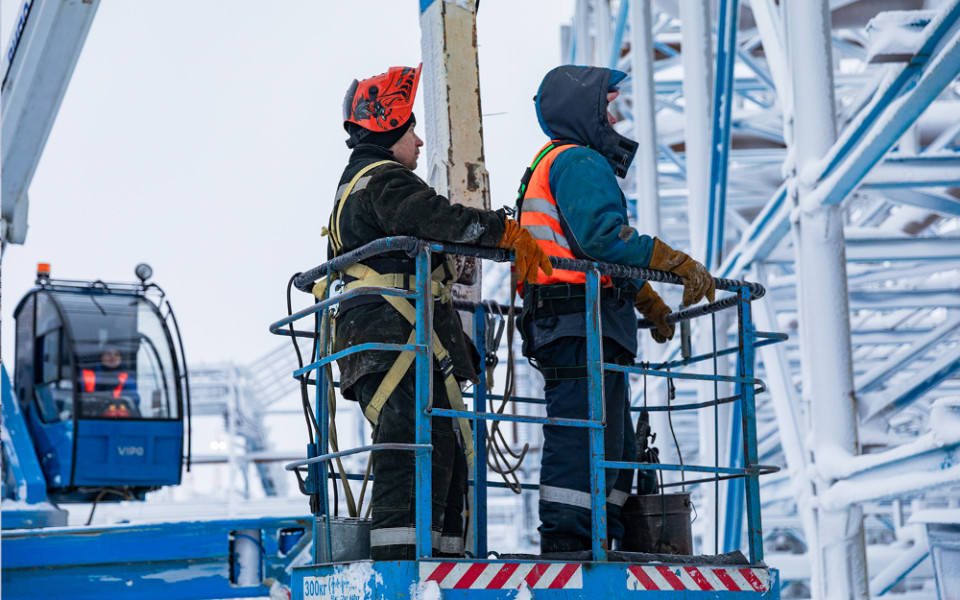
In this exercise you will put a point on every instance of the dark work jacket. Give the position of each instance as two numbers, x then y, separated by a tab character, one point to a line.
395	202
572	108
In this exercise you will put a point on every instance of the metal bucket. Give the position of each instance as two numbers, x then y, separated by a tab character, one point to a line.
657	524
350	538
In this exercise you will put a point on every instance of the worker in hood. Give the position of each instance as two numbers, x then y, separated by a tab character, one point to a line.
379	196
572	204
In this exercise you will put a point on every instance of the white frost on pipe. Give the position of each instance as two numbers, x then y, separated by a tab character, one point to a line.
897	35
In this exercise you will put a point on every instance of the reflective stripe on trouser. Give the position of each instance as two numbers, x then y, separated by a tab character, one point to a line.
392	535
407	536
565	462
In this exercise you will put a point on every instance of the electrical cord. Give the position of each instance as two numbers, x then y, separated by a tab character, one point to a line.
313	427
497	445
123	493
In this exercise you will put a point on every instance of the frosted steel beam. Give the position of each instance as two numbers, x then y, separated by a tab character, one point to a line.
922	465
827	367
874	300
892	90
644	118
881	403
920	171
891	119
698	91
871	380
891	249
941	203
882	128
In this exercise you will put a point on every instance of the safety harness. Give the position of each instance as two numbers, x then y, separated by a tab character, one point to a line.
440	286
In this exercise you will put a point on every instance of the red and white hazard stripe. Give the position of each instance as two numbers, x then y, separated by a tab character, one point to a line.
503	576
663	577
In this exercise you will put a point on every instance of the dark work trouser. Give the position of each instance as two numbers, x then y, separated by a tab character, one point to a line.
565	463
393	532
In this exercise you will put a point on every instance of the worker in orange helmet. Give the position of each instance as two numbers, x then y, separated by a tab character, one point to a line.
378	196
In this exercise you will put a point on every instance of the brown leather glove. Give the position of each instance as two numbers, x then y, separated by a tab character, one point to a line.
530	257
697	281
649	304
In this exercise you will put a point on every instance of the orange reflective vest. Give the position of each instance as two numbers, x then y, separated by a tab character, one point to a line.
540	214
90	382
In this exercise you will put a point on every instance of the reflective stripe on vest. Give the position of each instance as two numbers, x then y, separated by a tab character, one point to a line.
89	380
122	378
541	216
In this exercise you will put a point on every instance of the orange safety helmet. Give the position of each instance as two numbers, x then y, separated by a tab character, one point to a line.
383	102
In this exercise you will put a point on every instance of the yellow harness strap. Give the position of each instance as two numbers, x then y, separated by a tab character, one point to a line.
365	276
335	218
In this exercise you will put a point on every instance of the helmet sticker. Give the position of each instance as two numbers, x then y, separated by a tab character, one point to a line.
376	105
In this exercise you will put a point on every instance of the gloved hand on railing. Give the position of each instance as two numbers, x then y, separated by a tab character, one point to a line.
649	304
697	281
530	257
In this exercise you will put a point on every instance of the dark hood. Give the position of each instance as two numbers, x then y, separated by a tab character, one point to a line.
572	106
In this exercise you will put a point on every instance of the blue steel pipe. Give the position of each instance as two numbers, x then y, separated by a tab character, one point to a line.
745	364
488	416
746	471
275	328
372	448
733	524
722	109
597	409
424	393
479	511
614	61
354	350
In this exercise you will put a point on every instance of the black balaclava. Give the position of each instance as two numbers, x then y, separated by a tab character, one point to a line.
361	135
572	106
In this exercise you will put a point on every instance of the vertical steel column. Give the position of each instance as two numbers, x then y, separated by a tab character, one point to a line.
319	470
733	513
479	512
617	42
424	391
597	412
722	108
697	91
581	33
644	118
786	406
601	32
748	411
839	570
645	175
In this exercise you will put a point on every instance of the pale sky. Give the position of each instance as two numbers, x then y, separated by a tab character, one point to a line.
205	138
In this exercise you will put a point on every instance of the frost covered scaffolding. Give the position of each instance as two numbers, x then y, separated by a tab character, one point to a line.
747	152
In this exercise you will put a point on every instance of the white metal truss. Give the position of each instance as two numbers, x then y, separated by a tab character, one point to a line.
892	171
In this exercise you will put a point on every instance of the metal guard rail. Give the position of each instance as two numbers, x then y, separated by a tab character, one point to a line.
749	340
304	282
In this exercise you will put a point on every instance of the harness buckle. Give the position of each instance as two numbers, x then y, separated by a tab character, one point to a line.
446	366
